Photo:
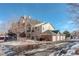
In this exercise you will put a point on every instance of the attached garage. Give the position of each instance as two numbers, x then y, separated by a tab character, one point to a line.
62	36
48	36
54	38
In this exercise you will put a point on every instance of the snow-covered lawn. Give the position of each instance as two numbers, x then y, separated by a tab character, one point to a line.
15	43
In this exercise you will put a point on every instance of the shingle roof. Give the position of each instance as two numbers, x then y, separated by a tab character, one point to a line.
52	32
55	31
34	22
62	34
38	24
49	32
31	21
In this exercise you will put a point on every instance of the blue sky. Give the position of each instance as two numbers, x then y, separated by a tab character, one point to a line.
56	14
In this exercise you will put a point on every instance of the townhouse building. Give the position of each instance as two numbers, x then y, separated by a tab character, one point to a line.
28	28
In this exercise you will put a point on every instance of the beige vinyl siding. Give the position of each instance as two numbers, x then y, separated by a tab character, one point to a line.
47	26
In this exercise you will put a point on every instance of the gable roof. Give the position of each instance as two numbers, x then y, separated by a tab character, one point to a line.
62	34
52	32
30	20
35	22
38	24
51	25
55	31
48	32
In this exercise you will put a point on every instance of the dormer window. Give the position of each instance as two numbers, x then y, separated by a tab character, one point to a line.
35	27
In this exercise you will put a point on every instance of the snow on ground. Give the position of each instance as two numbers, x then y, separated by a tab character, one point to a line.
73	49
63	49
15	43
68	50
7	48
75	46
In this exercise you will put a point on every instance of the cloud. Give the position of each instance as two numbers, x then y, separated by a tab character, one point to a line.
70	22
1	22
69	25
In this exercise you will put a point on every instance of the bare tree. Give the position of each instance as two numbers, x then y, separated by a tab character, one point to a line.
9	22
74	11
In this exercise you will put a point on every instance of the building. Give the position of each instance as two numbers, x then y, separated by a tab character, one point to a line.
28	28
52	35
42	27
45	26
75	34
24	28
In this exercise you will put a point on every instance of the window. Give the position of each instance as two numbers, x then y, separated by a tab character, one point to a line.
29	29
28	36
22	34
32	30
35	27
32	37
